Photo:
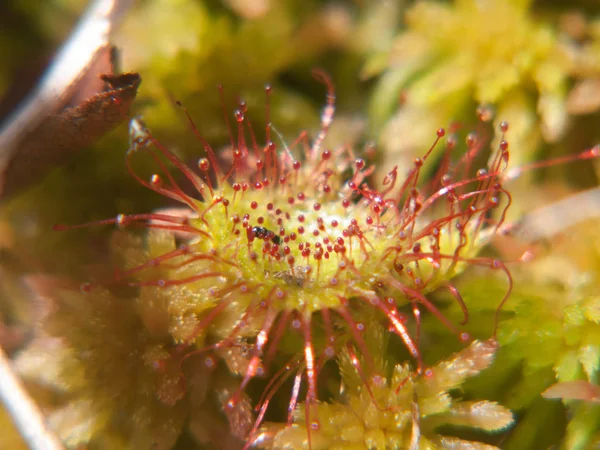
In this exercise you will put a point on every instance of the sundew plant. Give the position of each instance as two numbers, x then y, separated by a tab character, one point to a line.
237	268
282	257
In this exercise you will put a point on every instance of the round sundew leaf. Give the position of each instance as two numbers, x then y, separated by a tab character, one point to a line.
370	263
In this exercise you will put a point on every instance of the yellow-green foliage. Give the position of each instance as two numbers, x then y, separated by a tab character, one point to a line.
552	333
392	407
492	52
120	380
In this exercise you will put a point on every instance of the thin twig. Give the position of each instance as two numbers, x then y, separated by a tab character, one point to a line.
26	416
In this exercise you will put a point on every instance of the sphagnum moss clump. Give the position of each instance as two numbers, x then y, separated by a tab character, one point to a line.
291	240
499	53
397	409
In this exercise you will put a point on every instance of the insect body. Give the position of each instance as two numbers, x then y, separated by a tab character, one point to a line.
266	234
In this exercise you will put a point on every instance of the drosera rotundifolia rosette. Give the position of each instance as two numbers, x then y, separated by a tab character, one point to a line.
290	242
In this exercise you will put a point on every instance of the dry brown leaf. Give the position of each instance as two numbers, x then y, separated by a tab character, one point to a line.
78	99
62	134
